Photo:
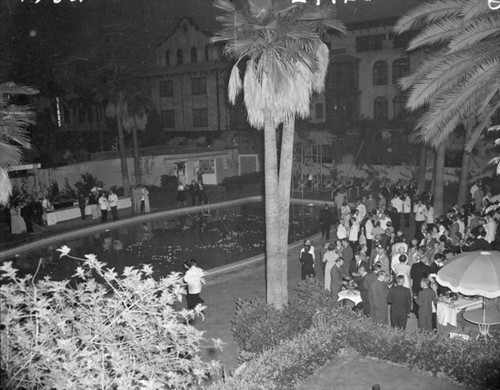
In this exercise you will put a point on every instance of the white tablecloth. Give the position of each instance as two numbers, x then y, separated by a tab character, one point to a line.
353	296
74	212
447	313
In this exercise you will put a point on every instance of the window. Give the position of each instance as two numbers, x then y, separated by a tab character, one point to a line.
207	166
400	41
166	88
90	114
344	75
370	42
66	115
194	54
180	58
81	115
167	118
398	106
318	111
200	117
380	108
199	85
207	54
380	73
400	68
167	58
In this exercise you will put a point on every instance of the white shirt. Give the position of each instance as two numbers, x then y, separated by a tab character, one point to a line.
354	232
491	230
113	200
368	229
429	215
397	203
420	211
407	205
194	279
341	232
361	212
103	202
384	221
311	251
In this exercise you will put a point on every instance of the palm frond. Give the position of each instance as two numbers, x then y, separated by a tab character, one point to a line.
234	86
14	89
440	71
428	13
437	33
477	30
450	107
5	187
473	9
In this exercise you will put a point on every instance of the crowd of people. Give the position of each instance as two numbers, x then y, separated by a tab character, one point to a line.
30	214
389	246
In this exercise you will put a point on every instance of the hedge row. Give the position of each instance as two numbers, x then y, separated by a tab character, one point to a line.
291	344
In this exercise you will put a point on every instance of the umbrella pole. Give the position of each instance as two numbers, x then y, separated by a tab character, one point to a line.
484	312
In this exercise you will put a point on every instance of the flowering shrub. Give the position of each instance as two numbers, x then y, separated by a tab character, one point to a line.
123	333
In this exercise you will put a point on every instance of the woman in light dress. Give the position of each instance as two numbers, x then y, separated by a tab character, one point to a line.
17	223
329	259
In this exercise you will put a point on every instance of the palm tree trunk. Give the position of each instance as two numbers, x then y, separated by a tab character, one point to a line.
464	170
439	180
123	157
137	161
422	168
274	259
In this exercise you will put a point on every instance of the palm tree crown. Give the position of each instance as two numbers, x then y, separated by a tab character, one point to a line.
14	121
287	60
461	77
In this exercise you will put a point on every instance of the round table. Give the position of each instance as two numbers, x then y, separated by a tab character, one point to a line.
483	321
352	295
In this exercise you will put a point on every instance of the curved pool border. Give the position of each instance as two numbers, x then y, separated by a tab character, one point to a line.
156	215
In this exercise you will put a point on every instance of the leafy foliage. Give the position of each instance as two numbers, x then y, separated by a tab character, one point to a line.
86	183
123	333
461	80
14	121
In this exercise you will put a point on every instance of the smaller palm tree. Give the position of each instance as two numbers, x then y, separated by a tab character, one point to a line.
14	121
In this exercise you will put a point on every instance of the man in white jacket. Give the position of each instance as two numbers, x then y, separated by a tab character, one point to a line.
194	279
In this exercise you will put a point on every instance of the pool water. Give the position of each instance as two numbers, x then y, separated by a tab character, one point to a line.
214	239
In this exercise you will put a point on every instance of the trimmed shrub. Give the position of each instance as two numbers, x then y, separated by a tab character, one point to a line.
282	339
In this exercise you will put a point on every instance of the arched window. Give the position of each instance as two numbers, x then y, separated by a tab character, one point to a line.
167	58
207	54
400	68
194	54
398	106
180	58
380	73
380	108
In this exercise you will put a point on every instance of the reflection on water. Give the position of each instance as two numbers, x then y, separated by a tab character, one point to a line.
214	238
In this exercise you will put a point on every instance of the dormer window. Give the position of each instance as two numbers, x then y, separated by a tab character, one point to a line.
207	57
167	58
180	58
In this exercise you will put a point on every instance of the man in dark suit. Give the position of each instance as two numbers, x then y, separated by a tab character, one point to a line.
379	291
364	280
480	244
399	298
347	255
357	263
326	220
337	278
418	271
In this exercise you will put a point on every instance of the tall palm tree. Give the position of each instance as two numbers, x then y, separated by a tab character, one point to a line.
130	109
285	62
459	82
14	120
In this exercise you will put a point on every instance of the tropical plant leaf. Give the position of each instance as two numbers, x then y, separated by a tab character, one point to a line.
428	13
437	33
478	30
